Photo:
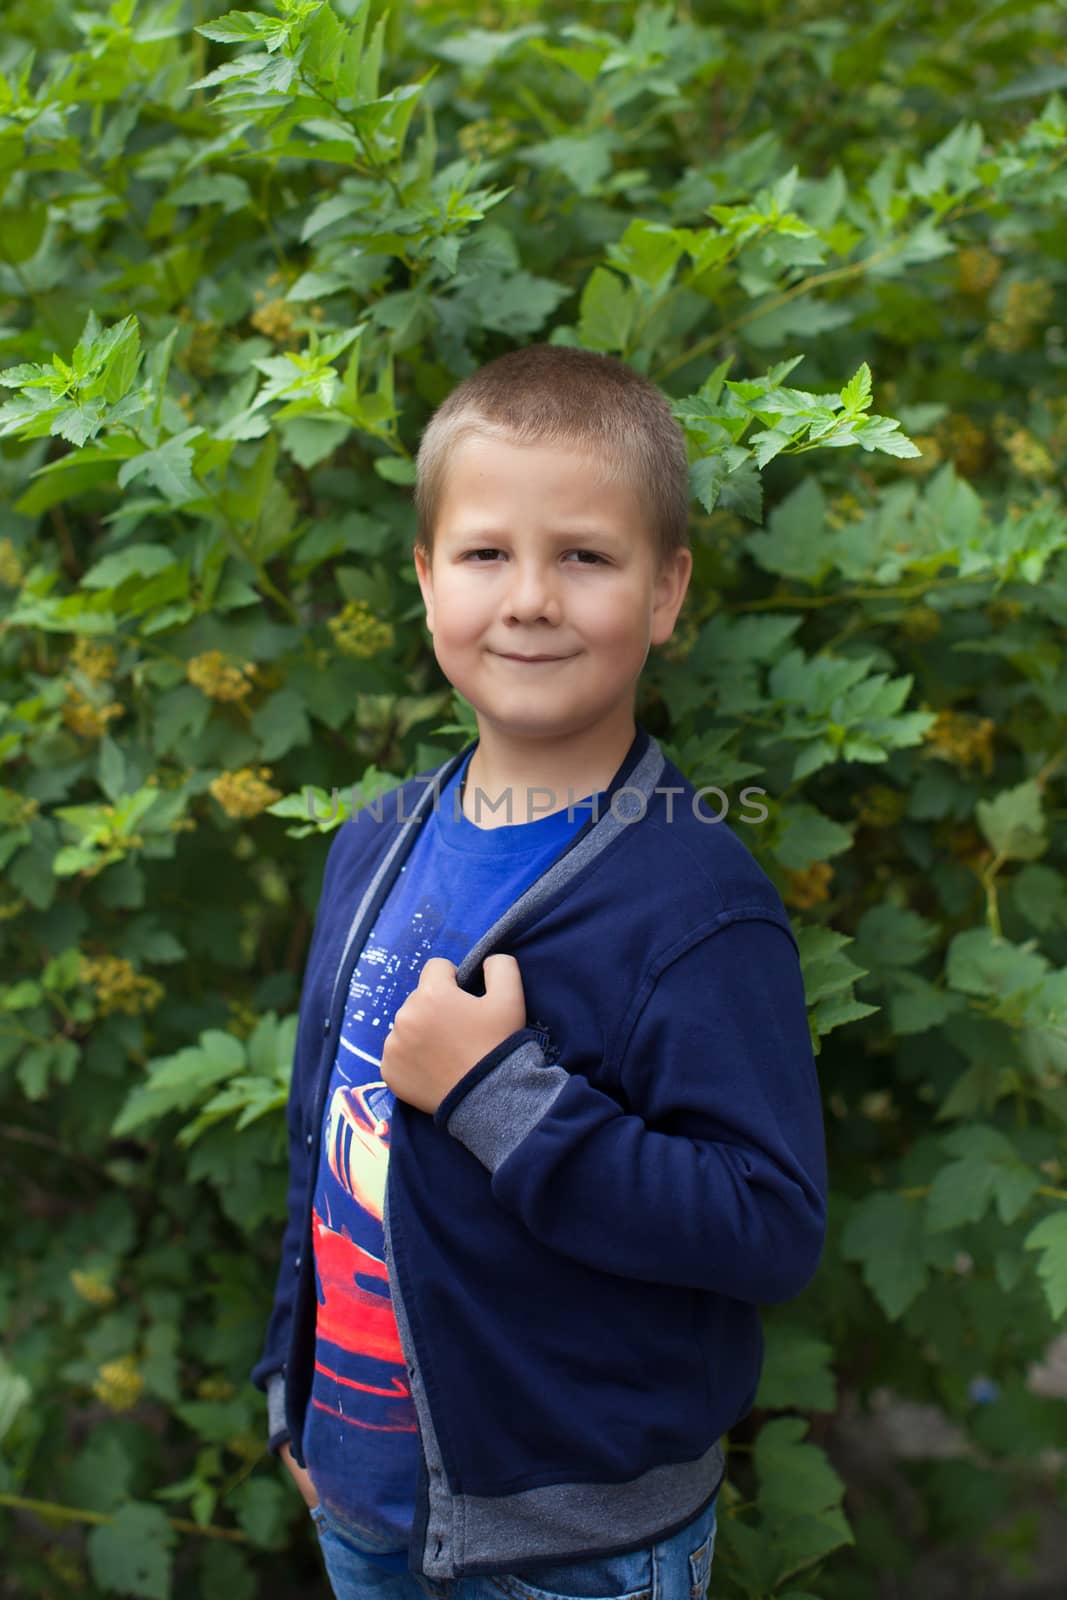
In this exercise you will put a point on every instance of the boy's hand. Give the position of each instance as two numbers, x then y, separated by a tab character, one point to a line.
440	1031
301	1477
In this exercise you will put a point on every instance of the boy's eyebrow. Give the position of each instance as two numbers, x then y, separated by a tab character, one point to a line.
574	532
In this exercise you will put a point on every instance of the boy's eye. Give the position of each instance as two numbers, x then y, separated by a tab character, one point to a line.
592	554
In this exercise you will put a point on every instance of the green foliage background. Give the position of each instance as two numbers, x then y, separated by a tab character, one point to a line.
242	258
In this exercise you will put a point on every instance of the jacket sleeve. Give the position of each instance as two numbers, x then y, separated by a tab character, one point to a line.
268	1374
717	1179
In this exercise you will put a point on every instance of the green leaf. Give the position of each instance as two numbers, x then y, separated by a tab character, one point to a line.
224	1573
881	433
20	996
238	27
607	311
885	1233
131	1554
826	970
168	469
916	1006
793	544
261	1511
794	1477
281	724
1050	1237
805	835
1041	896
856	395
15	1393
989	1168
1014	823
894	936
212	189
78	423
980	963
137	560
179	1081
797	1370
395	469
111	768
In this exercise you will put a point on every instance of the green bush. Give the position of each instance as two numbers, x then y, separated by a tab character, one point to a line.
242	258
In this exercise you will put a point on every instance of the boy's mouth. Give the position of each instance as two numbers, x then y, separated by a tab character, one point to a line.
530	660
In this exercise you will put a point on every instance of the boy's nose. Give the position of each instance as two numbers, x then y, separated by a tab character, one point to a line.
532	594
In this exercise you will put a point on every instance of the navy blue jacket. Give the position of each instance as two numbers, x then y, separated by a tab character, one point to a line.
579	1238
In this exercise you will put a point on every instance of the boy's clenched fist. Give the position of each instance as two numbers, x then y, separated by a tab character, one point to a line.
440	1031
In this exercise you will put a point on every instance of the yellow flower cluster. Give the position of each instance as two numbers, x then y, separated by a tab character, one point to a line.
243	1018
15	808
244	793
920	622
215	1389
198	357
843	509
275	319
65	1566
85	719
1025	450
978	270
118	987
358	632
930	457
880	806
10	565
488	136
12	907
1057	441
968	846
92	1288
119	1384
879	1106
809	887
1002	612
214	676
249	1446
965	444
96	661
1026	308
963	740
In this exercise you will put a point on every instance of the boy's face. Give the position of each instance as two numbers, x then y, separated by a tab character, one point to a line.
533	558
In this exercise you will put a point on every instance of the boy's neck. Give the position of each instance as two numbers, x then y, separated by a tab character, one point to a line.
584	762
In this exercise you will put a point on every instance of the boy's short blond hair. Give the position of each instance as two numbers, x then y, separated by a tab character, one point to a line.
568	398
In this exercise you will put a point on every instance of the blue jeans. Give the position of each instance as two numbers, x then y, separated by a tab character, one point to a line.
677	1568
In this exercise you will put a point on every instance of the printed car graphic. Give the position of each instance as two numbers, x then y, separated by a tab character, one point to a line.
366	1378
357	1142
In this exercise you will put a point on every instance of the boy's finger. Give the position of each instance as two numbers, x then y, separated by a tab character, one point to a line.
503	980
437	970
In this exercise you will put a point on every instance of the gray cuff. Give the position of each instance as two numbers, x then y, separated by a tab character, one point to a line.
498	1113
277	1422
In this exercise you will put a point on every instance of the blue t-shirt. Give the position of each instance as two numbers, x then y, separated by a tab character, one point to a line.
360	1435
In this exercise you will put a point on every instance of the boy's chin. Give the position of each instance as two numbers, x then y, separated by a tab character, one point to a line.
564	722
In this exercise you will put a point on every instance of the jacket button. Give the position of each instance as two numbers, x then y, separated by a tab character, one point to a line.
325	1025
296	1264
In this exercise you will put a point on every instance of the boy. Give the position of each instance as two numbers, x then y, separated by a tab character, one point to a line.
555	1127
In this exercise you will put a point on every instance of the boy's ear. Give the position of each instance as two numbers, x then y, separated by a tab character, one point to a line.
668	594
422	571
